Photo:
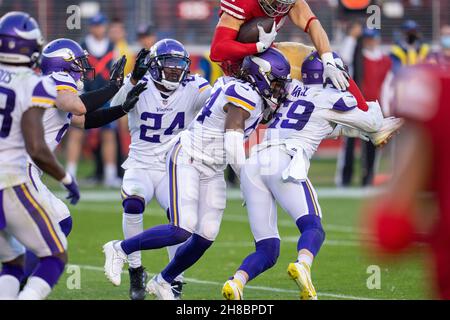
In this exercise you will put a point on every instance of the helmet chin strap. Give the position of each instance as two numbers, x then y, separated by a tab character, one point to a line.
80	85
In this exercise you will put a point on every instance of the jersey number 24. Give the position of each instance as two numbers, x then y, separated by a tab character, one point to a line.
178	121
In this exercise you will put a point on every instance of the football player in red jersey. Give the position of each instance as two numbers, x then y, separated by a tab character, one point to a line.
423	99
234	13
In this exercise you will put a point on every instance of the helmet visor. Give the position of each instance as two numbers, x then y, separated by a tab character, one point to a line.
175	68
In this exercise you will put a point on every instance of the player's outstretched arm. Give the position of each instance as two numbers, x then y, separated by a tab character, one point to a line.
224	46
101	117
96	99
302	15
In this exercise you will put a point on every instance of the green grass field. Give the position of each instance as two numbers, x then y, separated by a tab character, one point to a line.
339	272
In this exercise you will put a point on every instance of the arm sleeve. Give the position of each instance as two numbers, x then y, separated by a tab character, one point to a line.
369	121
44	94
121	95
224	46
96	99
101	117
234	150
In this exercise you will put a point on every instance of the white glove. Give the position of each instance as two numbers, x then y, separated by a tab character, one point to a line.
266	39
338	77
341	130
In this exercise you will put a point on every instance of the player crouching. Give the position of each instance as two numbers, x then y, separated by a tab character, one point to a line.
278	169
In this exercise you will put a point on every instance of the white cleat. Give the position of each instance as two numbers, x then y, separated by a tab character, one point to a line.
232	290
301	274
114	261
389	128
161	289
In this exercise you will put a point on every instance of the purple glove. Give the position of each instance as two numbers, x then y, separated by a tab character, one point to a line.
71	185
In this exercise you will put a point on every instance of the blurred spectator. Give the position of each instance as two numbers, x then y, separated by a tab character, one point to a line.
146	36
442	57
402	215
370	68
101	57
118	36
348	47
410	50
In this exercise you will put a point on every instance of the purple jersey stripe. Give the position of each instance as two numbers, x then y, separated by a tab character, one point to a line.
39	91
204	85
38	219
341	106
232	93
173	203
2	212
309	199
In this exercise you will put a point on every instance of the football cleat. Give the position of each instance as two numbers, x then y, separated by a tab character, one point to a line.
138	279
177	289
233	290
114	261
162	289
390	127
301	274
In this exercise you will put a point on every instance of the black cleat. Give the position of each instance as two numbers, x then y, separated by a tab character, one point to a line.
177	289
138	279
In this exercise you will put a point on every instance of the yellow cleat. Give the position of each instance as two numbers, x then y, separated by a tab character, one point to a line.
301	274
233	290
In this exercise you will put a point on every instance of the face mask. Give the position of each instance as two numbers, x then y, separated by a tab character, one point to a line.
445	42
411	38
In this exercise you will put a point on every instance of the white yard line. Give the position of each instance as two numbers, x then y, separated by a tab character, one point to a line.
260	288
235	194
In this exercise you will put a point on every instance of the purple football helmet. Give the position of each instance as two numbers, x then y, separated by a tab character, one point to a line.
68	56
20	39
269	72
169	63
312	68
276	8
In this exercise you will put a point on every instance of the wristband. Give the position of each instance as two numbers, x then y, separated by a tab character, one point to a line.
67	179
309	23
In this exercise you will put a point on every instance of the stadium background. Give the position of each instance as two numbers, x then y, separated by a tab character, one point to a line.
342	268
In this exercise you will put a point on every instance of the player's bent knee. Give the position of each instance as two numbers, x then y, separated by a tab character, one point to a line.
270	248
133	205
66	225
210	230
310	222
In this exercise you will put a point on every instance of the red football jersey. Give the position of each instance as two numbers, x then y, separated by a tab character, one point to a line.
246	10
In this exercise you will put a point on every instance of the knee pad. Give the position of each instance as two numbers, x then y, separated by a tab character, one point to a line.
66	225
210	230
270	248
133	206
312	233
310	222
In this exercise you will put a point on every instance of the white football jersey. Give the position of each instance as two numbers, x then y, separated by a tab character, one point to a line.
156	120
204	139
20	89
310	115
57	122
